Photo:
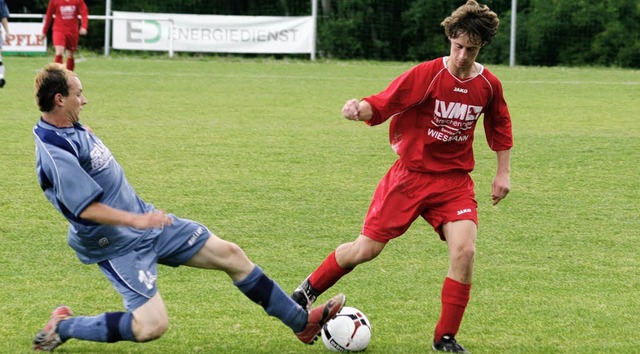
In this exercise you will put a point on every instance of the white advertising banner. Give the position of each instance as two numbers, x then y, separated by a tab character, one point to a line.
212	33
24	38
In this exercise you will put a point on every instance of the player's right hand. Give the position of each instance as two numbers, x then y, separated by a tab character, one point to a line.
351	109
155	219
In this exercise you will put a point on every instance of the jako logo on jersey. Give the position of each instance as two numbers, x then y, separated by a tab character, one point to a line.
457	110
461	90
464	211
147	278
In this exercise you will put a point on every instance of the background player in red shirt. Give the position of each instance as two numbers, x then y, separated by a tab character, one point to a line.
433	109
65	27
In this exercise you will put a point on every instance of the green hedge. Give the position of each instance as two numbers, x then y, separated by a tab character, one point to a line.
549	32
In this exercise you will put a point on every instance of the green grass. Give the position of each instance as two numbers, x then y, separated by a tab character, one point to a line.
257	150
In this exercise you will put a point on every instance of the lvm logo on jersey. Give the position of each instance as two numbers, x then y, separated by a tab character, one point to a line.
453	118
457	111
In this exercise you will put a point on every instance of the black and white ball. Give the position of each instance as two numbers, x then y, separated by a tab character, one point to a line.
349	331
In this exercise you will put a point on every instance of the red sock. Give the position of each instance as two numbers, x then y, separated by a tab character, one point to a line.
71	64
58	59
455	296
327	274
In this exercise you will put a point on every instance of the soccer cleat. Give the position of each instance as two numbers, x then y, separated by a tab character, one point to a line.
304	295
48	339
319	316
2	82
448	344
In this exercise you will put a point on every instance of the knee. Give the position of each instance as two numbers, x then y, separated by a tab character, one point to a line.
151	330
233	250
366	254
465	254
351	254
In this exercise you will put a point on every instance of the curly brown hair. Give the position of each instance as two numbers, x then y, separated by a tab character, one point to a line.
475	20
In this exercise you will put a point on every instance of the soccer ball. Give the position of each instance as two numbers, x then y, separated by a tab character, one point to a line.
349	331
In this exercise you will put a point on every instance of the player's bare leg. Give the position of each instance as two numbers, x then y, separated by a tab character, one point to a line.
71	61
362	250
150	321
461	241
461	238
222	255
59	54
250	280
339	263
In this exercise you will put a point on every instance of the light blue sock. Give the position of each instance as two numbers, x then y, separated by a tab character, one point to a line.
265	292
108	327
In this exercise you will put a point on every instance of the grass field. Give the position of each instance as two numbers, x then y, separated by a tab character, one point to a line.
257	150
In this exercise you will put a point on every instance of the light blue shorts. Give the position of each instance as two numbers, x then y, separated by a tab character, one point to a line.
134	274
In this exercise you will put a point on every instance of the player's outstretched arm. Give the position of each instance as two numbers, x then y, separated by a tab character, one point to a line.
104	214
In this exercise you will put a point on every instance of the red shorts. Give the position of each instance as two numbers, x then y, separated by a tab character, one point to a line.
68	40
403	195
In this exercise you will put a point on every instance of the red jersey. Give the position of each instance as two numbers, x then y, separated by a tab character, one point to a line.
66	12
434	115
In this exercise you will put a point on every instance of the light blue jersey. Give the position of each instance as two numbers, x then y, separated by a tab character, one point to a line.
4	13
4	10
75	169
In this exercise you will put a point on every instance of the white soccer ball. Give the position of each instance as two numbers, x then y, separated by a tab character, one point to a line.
349	331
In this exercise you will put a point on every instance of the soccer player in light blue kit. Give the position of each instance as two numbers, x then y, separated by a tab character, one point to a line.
126	237
4	15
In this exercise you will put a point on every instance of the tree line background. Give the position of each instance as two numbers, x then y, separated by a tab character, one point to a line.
549	32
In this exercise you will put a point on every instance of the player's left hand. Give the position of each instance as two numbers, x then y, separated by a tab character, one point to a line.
500	187
83	31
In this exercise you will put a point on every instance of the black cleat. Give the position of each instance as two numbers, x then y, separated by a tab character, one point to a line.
448	344
304	295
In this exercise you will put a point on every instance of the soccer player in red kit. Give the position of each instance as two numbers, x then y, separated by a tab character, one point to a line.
65	27
434	108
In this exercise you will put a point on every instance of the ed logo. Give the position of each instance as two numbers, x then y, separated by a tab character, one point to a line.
147	31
